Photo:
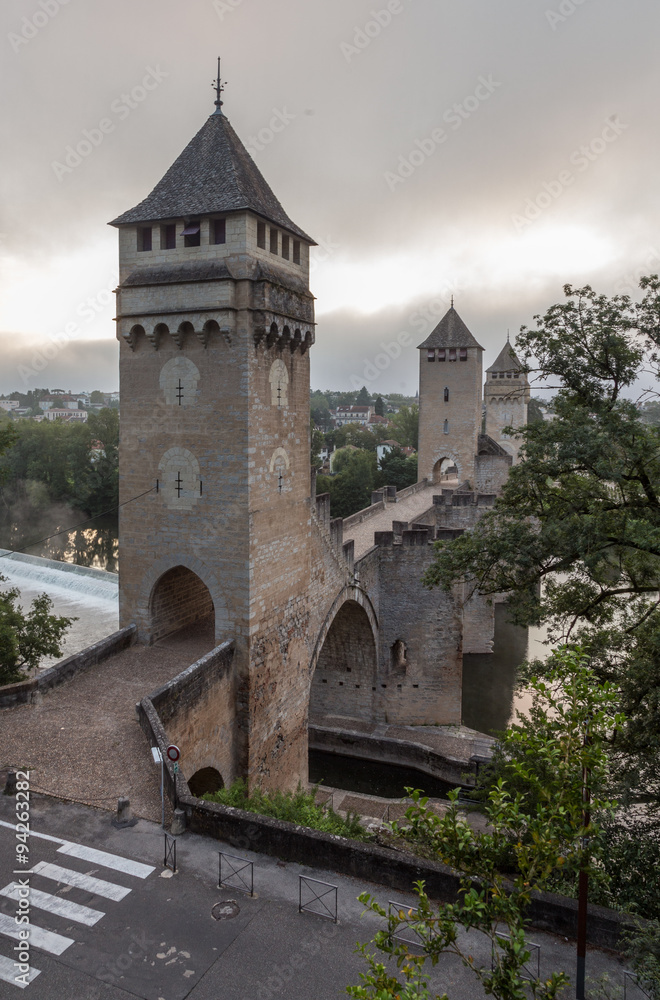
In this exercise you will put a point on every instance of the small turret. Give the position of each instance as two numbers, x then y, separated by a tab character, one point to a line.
506	397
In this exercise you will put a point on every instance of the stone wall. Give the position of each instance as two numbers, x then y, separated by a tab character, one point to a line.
457	440
198	709
492	472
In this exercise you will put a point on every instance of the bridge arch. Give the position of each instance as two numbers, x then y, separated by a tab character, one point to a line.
344	664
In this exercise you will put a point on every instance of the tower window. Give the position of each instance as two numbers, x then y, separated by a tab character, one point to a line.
192	234
445	427
452	353
296	251
168	237
508	374
446	394
462	354
274	240
285	247
516	375
261	235
442	354
144	238
219	231
430	355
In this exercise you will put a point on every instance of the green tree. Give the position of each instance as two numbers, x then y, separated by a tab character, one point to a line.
532	838
26	637
96	397
394	469
575	534
404	427
534	410
317	443
380	406
351	488
363	397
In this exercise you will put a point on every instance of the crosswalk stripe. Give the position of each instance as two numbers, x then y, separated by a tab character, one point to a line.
95	885
33	833
107	860
55	904
8	972
39	936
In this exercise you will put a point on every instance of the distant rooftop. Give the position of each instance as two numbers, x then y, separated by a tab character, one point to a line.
451	331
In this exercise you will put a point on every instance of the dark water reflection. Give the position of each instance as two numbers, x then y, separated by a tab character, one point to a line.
489	679
95	543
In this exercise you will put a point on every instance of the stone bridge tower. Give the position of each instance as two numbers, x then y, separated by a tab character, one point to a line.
215	321
450	379
506	397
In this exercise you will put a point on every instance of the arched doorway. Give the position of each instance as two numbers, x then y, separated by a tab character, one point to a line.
444	467
179	600
344	682
207	779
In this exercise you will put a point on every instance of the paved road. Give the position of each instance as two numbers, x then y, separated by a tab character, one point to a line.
106	924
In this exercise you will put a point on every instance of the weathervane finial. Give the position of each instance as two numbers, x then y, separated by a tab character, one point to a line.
218	86
452	301
508	340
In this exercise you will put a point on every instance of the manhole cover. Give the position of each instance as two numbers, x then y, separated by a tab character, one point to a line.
226	910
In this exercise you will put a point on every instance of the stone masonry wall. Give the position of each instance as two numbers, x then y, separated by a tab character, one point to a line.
198	708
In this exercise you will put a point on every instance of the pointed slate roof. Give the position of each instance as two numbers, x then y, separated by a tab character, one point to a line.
214	173
506	361
451	331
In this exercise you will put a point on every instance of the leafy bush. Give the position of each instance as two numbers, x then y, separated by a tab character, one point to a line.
293	807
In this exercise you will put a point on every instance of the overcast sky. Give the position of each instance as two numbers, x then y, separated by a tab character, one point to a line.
495	149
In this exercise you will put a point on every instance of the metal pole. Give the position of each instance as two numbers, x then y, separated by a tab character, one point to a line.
162	788
583	884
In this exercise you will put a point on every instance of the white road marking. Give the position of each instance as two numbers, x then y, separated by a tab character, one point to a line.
55	904
8	972
95	885
39	937
107	860
42	836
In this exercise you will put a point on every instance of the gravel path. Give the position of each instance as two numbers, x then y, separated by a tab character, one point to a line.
83	743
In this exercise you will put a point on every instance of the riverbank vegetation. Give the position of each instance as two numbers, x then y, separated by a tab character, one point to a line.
293	807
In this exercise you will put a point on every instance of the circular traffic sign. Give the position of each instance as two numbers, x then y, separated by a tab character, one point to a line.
173	752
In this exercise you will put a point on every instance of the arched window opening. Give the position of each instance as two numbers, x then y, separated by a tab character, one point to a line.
279	384
445	427
398	655
446	394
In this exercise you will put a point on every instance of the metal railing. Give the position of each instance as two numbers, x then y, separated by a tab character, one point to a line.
637	984
535	954
238	869
169	860
408	920
317	896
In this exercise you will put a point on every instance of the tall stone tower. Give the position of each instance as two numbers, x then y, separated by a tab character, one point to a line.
215	320
506	397
450	378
